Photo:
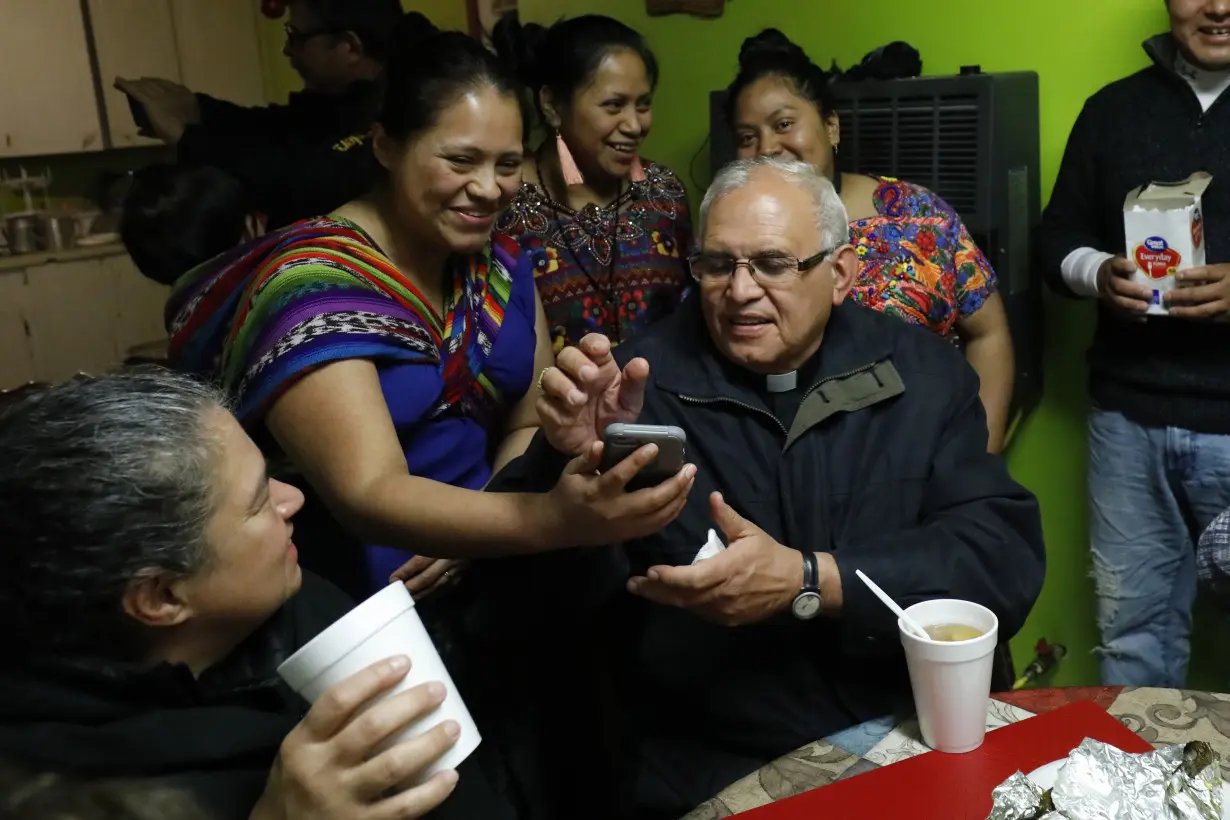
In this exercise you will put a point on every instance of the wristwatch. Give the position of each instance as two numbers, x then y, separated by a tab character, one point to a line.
807	603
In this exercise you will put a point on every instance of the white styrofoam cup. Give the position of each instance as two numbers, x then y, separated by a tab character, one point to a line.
951	679
384	626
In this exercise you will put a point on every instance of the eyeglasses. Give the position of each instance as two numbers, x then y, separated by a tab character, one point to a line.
767	269
296	37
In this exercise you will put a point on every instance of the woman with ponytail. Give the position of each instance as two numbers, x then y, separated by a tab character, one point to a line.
917	260
609	231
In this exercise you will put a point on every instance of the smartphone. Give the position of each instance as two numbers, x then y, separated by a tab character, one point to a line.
622	440
139	116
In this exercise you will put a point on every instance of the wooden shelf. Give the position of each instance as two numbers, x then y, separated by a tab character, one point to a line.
32	260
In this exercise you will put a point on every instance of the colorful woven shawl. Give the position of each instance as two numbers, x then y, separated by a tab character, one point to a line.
262	316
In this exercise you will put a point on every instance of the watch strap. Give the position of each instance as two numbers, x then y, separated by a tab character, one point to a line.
811	573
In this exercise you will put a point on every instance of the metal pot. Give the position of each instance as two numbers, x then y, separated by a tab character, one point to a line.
59	232
24	233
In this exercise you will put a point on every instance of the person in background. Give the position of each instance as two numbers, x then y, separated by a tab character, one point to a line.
150	588
1159	430
311	155
916	259
609	232
176	217
738	659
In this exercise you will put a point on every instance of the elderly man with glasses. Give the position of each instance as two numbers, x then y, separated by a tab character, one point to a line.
825	438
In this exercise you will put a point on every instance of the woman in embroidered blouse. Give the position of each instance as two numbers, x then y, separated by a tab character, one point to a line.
389	348
918	261
608	232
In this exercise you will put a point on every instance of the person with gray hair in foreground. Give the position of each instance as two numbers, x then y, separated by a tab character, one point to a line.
149	588
824	437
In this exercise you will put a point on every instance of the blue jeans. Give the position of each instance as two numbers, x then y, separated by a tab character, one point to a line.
1152	491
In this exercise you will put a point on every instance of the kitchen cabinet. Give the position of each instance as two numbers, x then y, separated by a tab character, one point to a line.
220	49
82	315
133	39
47	97
16	365
57	98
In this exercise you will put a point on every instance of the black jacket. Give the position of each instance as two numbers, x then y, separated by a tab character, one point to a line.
295	161
1146	127
214	736
886	468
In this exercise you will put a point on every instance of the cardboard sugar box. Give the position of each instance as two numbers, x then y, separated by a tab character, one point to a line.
1164	225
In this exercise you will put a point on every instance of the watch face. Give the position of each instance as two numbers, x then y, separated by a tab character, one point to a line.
807	606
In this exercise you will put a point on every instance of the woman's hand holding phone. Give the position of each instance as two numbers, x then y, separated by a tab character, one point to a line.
589	508
582	395
622	440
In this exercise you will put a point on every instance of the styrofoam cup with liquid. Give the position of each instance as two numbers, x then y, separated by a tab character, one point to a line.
951	679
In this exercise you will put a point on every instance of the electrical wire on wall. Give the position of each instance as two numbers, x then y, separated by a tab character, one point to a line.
1047	656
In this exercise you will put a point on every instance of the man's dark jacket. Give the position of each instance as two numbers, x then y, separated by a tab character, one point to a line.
295	161
885	467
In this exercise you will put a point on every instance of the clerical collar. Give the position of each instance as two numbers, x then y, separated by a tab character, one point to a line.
782	382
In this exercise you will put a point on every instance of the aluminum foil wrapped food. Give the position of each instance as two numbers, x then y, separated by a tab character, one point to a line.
1100	782
1019	798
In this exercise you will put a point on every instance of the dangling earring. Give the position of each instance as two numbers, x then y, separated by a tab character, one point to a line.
568	165
638	171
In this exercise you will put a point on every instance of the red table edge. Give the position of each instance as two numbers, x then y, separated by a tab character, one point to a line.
957	786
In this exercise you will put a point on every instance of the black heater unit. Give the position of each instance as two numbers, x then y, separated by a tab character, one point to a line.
972	139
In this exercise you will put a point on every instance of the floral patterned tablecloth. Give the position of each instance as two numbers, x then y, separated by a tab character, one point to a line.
1160	716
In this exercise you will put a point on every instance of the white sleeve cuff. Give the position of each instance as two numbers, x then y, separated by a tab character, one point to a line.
1080	270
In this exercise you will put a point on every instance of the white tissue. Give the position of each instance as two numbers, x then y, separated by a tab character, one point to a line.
711	548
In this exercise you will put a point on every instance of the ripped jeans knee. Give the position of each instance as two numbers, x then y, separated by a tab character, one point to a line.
1143	625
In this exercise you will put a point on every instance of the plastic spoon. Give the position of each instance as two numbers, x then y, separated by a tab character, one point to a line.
918	631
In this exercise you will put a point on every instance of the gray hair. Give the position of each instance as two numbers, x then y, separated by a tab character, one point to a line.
103	480
831	218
